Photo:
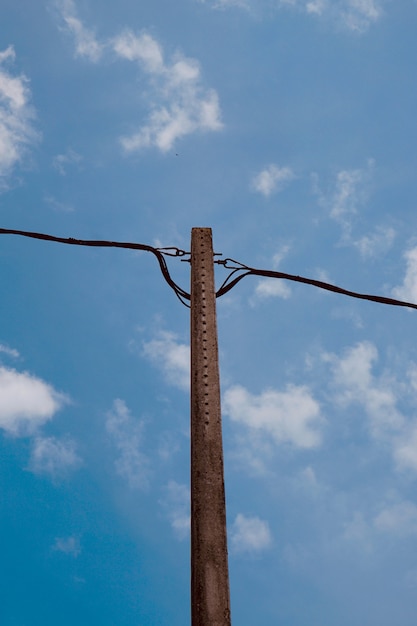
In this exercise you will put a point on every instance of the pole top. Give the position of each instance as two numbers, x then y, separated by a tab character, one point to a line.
195	228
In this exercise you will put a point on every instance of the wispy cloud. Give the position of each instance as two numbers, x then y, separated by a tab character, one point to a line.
54	457
224	4
274	287
376	243
68	545
9	351
405	448
344	198
348	192
126	434
171	357
86	43
408	290
289	416
56	205
250	534
180	104
399	519
26	402
358	15
179	101
272	179
61	162
353	15
17	132
380	398
176	503
354	377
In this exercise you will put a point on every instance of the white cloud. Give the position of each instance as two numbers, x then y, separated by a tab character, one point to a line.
273	178
379	396
290	416
343	200
16	116
53	457
68	545
280	255
177	505
353	375
358	15
316	7
144	49
377	243
405	451
86	44
250	534
271	288
399	519
353	15
224	4
274	287
9	351
348	194
26	402
181	104
126	433
62	161
56	205
408	290
170	356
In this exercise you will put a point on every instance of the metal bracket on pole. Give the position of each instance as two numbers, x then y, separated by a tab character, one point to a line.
210	596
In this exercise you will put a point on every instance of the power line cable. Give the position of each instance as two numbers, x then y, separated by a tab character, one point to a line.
236	267
238	270
158	252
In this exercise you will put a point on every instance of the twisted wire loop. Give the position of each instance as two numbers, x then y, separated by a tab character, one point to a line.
157	252
236	267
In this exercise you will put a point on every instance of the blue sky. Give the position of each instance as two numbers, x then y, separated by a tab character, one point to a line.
289	128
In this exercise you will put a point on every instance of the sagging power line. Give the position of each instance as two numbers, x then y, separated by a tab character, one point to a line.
158	252
210	596
238	270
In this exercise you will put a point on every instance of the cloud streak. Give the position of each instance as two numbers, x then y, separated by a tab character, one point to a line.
180	104
126	434
353	376
343	201
353	15
68	545
177	505
85	41
17	133
408	290
53	457
272	287
357	384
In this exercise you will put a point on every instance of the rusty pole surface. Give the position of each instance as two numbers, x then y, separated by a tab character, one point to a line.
210	597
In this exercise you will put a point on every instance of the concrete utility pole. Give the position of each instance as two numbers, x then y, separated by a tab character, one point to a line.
210	597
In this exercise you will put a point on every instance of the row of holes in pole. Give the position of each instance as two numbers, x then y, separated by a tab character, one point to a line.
205	375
